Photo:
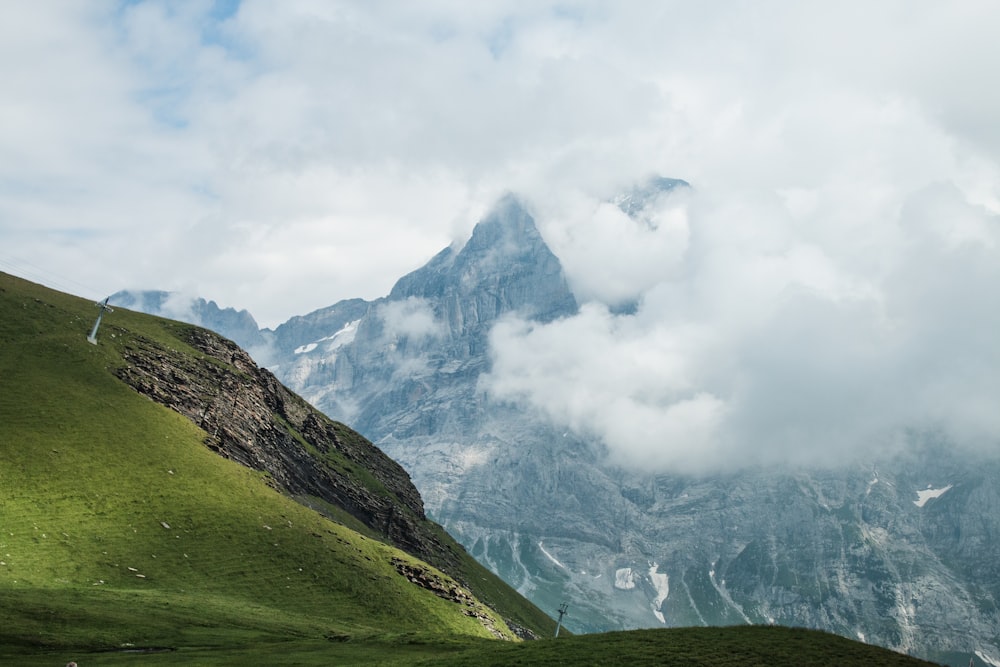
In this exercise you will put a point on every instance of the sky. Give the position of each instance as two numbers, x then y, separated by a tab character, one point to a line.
832	276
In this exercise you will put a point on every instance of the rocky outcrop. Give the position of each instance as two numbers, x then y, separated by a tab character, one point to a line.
250	417
448	590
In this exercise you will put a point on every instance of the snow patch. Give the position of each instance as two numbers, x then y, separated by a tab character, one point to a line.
928	493
661	582
872	483
624	579
720	588
691	601
345	335
342	337
988	659
551	557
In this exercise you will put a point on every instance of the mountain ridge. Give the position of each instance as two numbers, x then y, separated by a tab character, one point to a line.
846	550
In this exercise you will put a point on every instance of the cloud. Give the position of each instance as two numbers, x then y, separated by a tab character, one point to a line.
767	347
612	259
838	247
180	306
412	318
280	157
406	330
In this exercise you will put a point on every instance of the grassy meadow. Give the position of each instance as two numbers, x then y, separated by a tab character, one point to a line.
119	529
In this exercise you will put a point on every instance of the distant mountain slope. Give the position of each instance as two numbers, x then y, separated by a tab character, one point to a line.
898	552
427	341
240	326
849	551
119	527
288	337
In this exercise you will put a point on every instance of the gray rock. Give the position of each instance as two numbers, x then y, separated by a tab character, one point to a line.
849	551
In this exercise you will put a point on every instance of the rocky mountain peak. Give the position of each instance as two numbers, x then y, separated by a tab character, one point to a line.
508	229
505	266
634	201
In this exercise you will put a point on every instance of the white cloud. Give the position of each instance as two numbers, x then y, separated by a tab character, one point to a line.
768	347
612	259
412	318
180	306
845	161
155	137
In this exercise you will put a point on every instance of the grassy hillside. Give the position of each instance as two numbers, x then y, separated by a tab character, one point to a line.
740	646
118	527
120	531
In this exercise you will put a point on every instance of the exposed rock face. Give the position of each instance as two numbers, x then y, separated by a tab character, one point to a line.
435	324
253	419
848	551
504	267
288	337
449	590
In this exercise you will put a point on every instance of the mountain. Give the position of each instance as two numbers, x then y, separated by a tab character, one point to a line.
847	551
637	201
426	342
240	326
897	552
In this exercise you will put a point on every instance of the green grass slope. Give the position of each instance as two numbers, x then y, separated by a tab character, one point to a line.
118	528
740	646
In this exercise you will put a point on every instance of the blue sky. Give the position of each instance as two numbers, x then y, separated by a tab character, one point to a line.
279	157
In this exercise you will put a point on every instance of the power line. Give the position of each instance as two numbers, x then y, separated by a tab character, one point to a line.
31	271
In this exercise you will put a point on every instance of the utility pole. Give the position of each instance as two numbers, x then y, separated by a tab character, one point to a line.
563	608
103	305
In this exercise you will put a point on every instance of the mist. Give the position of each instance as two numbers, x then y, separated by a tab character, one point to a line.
761	338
